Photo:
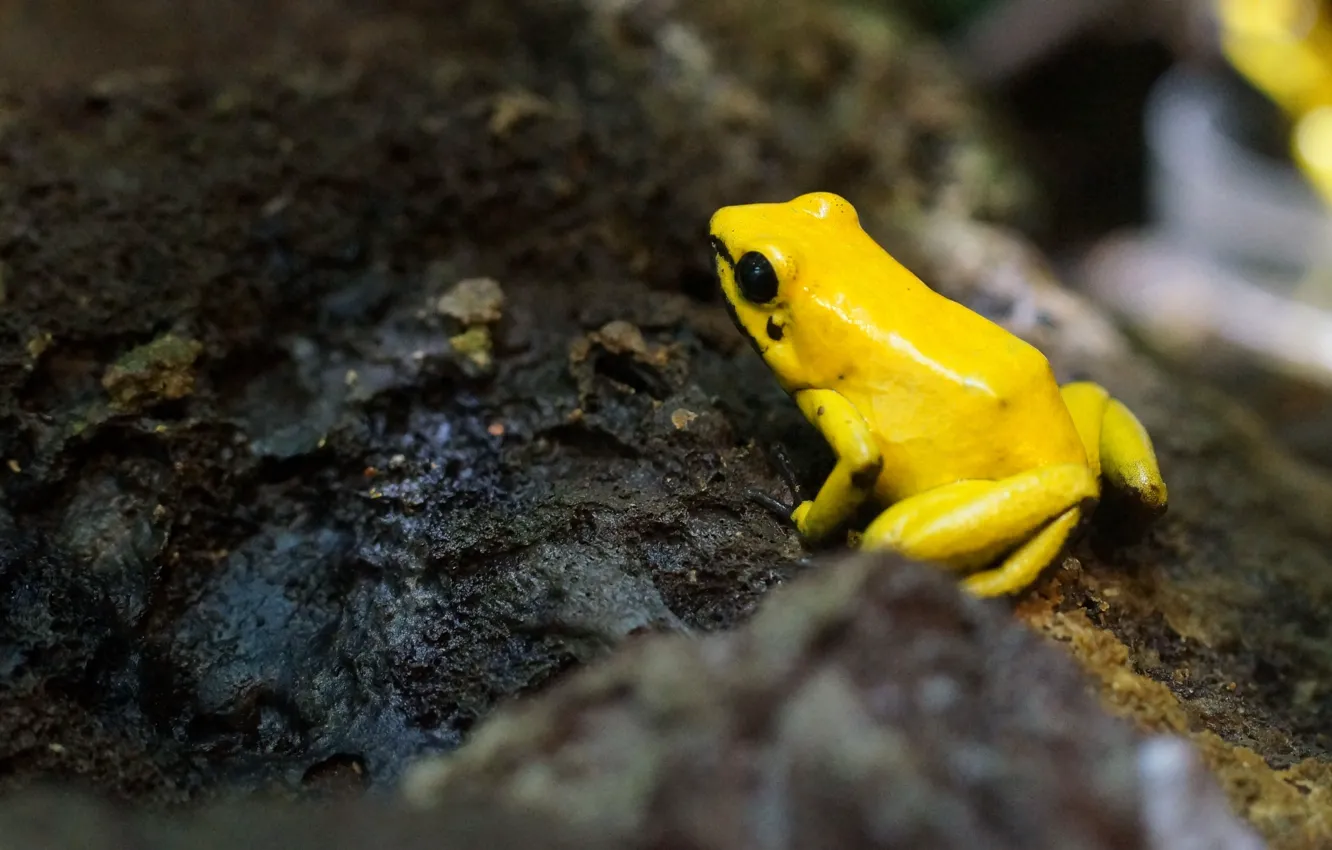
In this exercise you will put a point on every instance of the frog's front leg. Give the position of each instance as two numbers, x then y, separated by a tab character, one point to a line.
852	480
1118	447
968	524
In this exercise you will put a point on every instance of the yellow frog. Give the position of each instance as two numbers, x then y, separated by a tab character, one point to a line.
986	463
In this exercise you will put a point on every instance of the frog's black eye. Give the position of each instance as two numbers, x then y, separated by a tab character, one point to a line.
756	278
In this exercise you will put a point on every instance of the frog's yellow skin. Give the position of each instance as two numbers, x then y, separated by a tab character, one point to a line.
955	423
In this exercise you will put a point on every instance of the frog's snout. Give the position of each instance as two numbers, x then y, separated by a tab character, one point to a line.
722	223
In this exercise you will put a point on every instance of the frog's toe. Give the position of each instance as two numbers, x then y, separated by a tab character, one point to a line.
775	506
784	511
787	470
798	516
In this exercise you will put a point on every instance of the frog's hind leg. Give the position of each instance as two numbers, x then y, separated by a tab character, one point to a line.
968	524
1118	448
1022	567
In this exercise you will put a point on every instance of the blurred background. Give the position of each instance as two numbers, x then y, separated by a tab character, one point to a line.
1185	149
1182	151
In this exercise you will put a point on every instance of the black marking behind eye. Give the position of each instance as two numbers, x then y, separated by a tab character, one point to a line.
756	278
774	330
719	248
735	317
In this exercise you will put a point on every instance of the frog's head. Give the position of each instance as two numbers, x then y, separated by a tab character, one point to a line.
776	264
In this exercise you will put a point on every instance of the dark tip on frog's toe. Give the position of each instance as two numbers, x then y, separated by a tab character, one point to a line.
787	470
774	506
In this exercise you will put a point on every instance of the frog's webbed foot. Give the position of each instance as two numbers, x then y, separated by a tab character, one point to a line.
781	510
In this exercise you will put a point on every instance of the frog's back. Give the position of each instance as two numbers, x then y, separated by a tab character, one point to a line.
950	394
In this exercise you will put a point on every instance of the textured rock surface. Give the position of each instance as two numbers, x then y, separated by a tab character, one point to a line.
871	705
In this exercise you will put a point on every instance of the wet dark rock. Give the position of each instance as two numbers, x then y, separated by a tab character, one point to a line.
70	702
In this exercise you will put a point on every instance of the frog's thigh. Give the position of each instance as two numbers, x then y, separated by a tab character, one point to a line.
859	462
1086	402
1026	562
962	523
1118	447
